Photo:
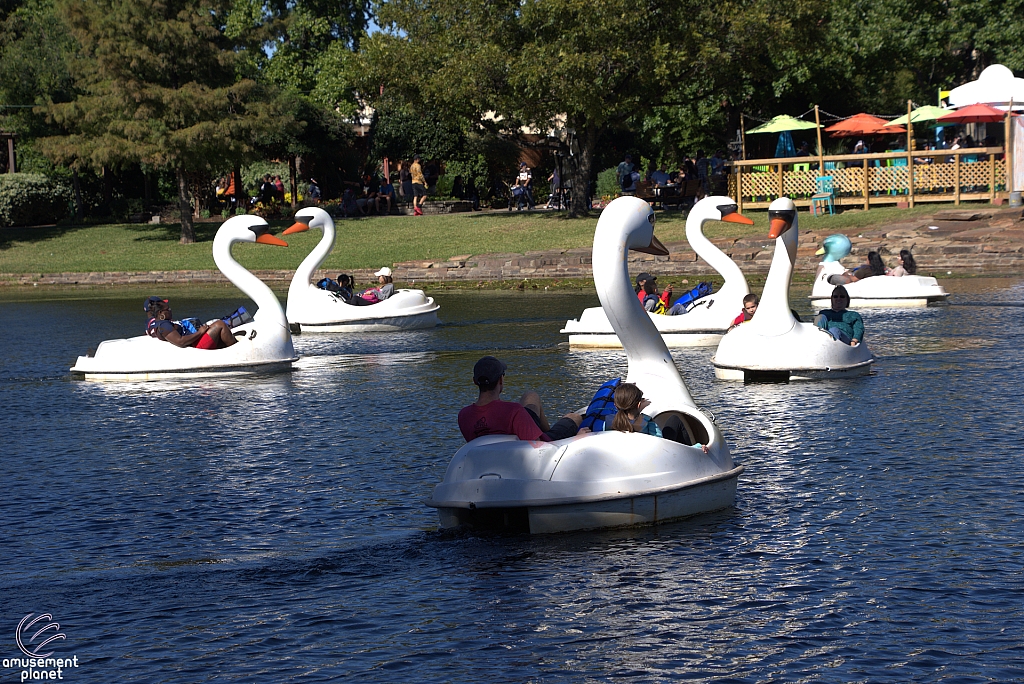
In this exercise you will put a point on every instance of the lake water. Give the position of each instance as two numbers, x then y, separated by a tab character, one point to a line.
273	529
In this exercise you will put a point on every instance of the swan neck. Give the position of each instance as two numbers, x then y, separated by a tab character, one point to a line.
650	365
774	308
304	273
266	301
715	257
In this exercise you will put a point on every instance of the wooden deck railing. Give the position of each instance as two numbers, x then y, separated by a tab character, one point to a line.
874	179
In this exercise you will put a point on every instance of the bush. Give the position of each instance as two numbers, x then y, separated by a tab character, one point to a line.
606	184
30	199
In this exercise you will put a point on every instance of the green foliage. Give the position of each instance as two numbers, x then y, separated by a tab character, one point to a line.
157	86
607	186
401	132
252	175
28	199
35	50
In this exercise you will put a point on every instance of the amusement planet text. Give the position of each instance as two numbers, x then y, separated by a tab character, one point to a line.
41	669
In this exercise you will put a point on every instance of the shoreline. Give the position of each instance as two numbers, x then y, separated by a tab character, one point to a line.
959	243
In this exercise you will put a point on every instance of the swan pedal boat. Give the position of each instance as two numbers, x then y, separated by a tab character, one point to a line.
604	479
263	344
708	318
875	291
773	346
316	310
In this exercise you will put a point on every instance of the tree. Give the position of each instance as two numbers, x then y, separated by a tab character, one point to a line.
536	62
158	86
34	52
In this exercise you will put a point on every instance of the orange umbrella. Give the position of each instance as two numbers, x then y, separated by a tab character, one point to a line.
975	113
861	124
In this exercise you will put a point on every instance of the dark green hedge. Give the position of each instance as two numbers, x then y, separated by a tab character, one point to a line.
31	199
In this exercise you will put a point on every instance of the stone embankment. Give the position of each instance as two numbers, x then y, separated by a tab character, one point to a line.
962	242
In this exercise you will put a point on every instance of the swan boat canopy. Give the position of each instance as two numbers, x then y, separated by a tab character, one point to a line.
709	317
318	310
263	344
602	479
773	345
891	291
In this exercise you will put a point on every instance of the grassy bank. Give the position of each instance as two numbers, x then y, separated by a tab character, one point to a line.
365	243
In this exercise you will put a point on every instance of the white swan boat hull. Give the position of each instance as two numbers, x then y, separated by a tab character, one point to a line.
707	319
603	479
261	345
587	482
774	346
593	331
320	311
317	310
146	358
883	291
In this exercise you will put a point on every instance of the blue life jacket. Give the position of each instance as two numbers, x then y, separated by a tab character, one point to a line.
702	290
328	284
601	406
237	317
189	325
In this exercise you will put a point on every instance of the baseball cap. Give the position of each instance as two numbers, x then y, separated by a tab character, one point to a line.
383	272
645	276
150	301
488	369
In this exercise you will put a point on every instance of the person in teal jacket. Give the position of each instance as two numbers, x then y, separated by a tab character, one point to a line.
844	325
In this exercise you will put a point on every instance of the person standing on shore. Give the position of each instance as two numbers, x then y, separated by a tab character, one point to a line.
419	187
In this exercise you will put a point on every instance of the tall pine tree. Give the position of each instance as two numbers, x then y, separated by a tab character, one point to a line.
159	86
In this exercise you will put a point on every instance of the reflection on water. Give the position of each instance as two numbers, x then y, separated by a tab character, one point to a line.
237	528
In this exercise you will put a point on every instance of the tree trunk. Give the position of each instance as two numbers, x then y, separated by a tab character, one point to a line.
292	173
188	232
79	205
581	155
241	201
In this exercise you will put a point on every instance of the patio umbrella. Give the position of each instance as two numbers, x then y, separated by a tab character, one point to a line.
920	115
975	113
783	122
861	124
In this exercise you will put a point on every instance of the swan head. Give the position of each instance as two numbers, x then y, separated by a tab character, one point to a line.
633	220
834	247
309	217
782	214
719	208
247	228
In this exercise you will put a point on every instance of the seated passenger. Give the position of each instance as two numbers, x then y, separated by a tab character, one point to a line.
212	336
750	303
630	402
385	198
375	295
647	294
525	419
345	284
874	267
844	325
907	265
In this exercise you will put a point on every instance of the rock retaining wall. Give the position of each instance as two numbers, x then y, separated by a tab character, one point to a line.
986	243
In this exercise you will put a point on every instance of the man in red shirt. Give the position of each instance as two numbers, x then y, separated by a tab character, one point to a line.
525	419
